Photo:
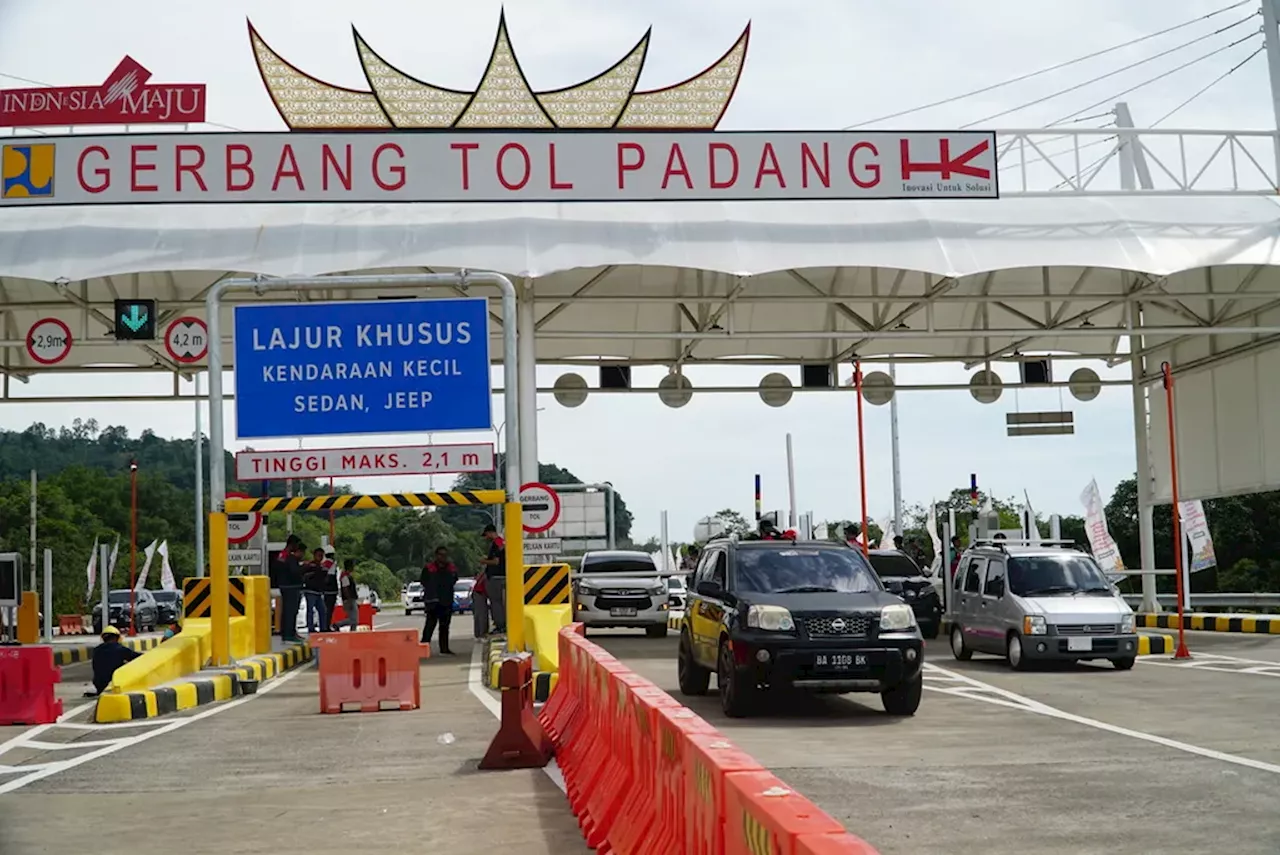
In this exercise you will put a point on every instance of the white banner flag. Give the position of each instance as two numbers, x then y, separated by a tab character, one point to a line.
1195	526
166	572
1105	551
1032	533
111	562
146	566
886	533
92	570
932	525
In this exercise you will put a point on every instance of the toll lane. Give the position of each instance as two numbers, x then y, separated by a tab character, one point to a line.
980	769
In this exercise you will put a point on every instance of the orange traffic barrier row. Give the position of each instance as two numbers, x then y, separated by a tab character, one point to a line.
71	625
369	671
645	775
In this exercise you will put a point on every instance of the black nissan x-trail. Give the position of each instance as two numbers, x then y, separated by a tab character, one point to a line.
768	614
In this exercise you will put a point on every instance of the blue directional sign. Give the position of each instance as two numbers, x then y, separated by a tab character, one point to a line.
391	366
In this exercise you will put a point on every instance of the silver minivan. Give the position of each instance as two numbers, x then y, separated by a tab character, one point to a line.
1032	603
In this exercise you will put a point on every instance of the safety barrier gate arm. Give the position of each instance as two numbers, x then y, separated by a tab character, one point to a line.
260	285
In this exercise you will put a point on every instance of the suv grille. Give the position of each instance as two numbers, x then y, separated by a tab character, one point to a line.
611	600
1087	629
845	626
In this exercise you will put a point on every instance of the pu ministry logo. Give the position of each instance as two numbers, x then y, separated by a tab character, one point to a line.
26	170
503	99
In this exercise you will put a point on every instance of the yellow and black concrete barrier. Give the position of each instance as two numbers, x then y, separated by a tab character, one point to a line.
69	655
1261	624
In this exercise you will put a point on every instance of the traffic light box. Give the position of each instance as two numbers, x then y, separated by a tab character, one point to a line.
135	320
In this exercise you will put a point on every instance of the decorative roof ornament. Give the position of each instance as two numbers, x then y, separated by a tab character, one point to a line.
503	98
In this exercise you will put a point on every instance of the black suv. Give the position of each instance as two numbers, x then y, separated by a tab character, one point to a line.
766	614
902	576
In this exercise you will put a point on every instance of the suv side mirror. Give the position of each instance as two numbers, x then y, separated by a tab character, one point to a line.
710	588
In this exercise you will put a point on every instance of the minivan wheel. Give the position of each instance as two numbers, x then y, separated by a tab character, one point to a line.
737	696
904	698
1017	661
958	648
656	631
694	679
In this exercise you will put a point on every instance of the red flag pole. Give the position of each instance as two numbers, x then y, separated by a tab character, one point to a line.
1182	652
862	456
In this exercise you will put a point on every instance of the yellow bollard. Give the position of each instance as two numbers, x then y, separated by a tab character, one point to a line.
219	590
513	536
29	618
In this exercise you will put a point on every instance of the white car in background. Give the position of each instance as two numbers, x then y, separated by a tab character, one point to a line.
677	593
413	598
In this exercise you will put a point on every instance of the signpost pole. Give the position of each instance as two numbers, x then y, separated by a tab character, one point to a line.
260	284
33	530
104	573
513	534
220	589
199	486
48	594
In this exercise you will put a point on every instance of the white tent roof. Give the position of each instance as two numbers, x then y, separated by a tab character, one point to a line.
637	274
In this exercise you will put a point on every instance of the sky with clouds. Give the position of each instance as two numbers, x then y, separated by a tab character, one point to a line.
821	64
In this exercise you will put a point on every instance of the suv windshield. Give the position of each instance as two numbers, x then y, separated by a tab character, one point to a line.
893	564
1055	574
643	566
119	597
800	570
415	587
675	583
463	587
166	596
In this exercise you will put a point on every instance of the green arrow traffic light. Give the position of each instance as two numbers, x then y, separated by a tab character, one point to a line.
135	320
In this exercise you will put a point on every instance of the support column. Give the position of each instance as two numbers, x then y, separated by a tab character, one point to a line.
1271	38
526	330
1146	528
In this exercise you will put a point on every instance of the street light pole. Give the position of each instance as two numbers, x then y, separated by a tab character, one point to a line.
133	548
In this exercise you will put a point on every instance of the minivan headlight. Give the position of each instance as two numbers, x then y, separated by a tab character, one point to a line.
584	588
1033	625
658	589
897	618
1126	624
770	619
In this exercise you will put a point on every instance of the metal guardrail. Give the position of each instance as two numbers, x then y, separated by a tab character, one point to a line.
1240	601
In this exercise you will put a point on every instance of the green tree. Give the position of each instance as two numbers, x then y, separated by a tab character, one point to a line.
734	522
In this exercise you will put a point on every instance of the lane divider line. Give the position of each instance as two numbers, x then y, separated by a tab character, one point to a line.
1003	697
47	770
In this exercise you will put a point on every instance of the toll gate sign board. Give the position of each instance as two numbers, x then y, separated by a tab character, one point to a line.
378	367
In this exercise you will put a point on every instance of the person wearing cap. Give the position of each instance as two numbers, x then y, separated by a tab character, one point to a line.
107	658
495	573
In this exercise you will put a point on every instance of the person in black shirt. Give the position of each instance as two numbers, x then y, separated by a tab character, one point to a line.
438	577
314	578
290	584
330	565
495	574
107	657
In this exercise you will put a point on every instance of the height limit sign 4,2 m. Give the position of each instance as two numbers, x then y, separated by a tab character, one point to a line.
187	340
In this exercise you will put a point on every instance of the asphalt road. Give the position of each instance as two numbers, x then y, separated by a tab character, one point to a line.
1080	760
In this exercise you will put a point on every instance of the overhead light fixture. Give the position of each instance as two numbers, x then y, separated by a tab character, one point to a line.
1086	323
902	325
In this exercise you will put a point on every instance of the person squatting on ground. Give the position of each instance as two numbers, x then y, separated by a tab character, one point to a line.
438	578
107	658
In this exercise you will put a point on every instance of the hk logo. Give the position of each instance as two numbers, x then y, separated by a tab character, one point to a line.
26	171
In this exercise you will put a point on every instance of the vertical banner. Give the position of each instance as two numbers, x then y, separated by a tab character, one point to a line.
110	569
932	525
150	552
886	533
92	570
1105	551
166	572
1196	527
1032	533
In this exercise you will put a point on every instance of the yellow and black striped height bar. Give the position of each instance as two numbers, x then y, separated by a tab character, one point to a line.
196	602
546	584
451	499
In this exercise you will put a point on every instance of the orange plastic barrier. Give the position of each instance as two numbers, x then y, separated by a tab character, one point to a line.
364	618
369	671
647	776
71	625
520	743
27	679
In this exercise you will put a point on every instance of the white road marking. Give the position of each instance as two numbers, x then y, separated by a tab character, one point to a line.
475	682
1002	697
38	773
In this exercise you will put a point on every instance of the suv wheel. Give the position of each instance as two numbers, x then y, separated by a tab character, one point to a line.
1124	664
737	696
656	631
1017	659
959	649
694	679
904	698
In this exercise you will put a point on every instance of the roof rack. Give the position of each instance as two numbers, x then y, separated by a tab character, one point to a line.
1003	542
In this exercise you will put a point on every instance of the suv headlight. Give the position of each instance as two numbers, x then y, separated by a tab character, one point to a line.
658	589
770	619
1033	625
897	618
1126	624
